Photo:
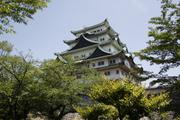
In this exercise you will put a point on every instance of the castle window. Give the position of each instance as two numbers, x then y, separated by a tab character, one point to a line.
101	39
123	73
117	71
107	73
83	56
76	57
93	64
109	49
98	30
113	61
101	63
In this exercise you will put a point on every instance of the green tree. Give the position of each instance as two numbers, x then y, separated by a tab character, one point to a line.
128	98
19	85
5	48
18	11
64	85
175	96
17	81
164	48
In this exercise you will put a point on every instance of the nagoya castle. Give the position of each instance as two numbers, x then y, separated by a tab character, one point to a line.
99	47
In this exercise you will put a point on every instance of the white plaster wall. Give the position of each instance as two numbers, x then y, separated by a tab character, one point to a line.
110	46
117	59
105	36
106	63
101	28
99	38
113	74
85	52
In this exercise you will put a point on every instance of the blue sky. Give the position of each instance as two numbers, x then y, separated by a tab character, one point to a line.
45	34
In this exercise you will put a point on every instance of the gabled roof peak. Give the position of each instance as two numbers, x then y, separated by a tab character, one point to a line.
99	52
83	42
85	36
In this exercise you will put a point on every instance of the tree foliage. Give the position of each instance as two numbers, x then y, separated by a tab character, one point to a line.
175	97
5	48
18	11
164	48
63	87
98	111
19	88
126	97
17	76
52	88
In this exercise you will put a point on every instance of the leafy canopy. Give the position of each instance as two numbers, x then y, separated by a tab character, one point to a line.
18	11
5	48
17	81
122	97
164	48
64	85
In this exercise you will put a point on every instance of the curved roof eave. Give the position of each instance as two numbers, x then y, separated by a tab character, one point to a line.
111	55
69	41
90	40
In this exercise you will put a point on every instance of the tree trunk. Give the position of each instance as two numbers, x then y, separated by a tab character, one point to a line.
51	113
60	116
121	117
26	110
14	112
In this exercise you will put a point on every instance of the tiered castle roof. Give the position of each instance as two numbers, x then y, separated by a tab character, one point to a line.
85	40
99	47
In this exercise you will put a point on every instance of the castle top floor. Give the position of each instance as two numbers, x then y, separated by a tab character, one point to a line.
96	29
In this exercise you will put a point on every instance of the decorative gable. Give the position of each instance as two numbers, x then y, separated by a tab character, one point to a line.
83	42
98	53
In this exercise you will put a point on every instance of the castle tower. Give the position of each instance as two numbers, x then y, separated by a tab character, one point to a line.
99	47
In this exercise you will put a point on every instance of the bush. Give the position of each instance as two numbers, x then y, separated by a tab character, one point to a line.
99	111
121	98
